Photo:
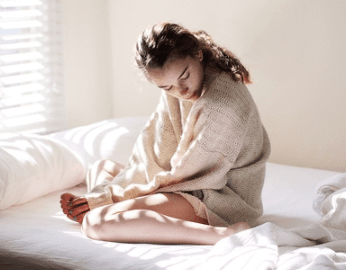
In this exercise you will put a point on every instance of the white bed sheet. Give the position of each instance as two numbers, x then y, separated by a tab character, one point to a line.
288	194
38	235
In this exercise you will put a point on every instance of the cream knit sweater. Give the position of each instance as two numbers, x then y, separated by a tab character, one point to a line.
212	152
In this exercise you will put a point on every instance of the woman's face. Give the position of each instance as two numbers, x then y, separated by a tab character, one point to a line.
181	78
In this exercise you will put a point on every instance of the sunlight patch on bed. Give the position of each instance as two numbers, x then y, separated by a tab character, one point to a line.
136	251
59	215
76	234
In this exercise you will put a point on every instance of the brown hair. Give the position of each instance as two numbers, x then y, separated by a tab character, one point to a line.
166	40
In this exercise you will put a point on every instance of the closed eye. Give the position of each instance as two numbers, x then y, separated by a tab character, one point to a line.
186	76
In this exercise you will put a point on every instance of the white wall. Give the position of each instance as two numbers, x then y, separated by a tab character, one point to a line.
295	50
88	66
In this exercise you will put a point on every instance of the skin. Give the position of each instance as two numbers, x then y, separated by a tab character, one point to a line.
161	218
181	78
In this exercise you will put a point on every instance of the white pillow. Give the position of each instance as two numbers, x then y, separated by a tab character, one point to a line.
33	165
109	139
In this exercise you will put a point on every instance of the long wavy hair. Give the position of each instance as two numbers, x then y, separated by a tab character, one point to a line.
169	40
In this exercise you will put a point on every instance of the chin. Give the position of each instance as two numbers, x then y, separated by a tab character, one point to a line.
194	97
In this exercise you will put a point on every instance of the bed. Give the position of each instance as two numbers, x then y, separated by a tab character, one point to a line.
303	225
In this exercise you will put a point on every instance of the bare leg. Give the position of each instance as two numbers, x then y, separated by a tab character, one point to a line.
159	218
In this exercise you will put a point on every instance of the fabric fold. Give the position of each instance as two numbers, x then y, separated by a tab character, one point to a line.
330	202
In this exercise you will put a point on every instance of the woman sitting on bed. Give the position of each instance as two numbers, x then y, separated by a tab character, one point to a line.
197	169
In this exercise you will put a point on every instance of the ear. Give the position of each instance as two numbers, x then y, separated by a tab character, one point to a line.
200	55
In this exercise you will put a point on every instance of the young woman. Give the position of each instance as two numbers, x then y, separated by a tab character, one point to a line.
197	169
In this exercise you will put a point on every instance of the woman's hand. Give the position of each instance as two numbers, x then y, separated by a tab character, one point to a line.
74	207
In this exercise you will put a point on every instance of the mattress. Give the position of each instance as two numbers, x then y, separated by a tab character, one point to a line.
36	234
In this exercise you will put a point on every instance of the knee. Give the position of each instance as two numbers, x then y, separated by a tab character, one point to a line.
107	165
92	225
98	165
92	177
101	171
101	224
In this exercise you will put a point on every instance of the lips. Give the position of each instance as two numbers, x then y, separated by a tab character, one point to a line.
193	96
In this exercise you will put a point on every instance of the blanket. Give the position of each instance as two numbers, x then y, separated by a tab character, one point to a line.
318	246
330	201
268	246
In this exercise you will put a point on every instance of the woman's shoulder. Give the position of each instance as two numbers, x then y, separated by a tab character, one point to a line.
224	80
216	80
222	87
228	100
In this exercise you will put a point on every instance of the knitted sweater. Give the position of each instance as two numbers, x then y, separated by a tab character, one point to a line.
212	152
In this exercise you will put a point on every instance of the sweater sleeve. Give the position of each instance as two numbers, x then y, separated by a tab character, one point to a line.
151	156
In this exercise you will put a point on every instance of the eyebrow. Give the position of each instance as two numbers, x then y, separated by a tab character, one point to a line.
163	86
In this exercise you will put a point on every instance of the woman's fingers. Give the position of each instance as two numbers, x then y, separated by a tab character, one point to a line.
78	201
78	218
74	207
67	197
69	200
65	211
78	210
